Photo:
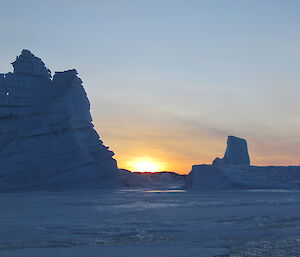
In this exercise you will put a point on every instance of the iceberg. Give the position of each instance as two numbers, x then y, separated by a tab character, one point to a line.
236	152
233	171
46	133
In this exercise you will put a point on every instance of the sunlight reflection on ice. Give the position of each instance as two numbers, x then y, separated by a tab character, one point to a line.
165	191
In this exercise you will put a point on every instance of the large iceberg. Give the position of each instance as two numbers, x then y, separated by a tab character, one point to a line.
234	172
46	134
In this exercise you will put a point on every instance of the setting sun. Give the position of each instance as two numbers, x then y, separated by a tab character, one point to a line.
145	165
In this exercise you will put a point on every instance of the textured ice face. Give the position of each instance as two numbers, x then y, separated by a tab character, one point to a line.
46	134
29	64
236	152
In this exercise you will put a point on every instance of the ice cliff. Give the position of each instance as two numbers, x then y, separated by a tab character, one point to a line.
46	134
234	172
236	152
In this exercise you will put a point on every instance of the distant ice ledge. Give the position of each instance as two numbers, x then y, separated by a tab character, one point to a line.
233	171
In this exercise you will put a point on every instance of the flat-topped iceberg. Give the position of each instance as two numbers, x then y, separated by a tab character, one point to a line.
236	152
234	172
46	135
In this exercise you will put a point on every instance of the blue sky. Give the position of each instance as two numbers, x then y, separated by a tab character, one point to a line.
171	79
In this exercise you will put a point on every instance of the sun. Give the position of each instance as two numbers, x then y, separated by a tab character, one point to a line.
145	166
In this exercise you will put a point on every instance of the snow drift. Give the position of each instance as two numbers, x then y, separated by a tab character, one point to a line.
46	134
234	172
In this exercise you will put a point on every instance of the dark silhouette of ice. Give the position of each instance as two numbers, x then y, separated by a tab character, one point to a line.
236	152
162	179
46	134
234	172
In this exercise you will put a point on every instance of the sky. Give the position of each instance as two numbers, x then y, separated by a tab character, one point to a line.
169	80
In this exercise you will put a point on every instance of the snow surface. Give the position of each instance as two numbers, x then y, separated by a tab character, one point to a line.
46	134
148	223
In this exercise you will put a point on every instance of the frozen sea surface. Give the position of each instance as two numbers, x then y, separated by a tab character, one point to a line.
148	223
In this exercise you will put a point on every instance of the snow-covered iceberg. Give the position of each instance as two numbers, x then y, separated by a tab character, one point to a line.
234	172
46	134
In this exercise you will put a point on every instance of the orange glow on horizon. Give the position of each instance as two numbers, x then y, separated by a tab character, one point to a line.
138	148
